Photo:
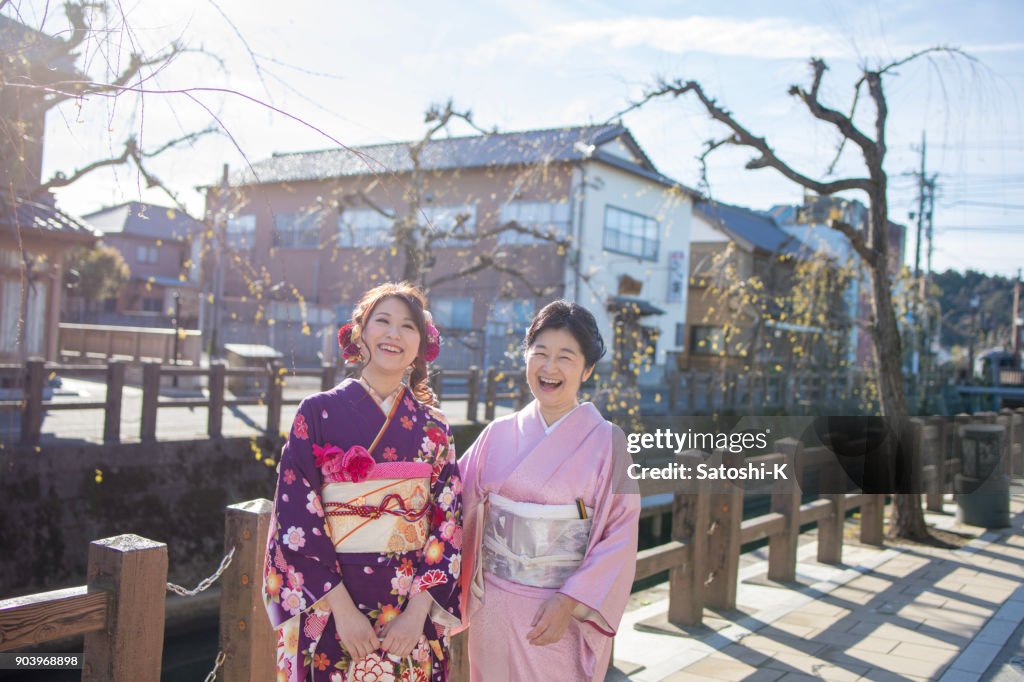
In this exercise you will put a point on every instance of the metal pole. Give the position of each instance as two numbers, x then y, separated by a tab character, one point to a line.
176	322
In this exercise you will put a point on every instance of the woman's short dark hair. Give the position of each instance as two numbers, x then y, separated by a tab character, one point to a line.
575	319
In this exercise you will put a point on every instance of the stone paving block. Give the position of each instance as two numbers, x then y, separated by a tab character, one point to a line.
809	620
953	675
977	657
997	631
894	633
722	668
744	654
683	676
825	607
845	639
879	675
794	629
810	665
770	642
903	666
798	677
921	652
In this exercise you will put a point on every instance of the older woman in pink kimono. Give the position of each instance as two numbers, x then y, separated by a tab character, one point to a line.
551	519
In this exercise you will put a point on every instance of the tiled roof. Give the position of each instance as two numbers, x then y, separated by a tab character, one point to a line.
42	218
46	53
477	151
149	220
758	229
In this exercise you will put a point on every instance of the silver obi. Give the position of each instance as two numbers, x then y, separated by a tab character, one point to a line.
540	545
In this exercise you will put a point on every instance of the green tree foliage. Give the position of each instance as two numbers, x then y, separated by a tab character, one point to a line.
101	272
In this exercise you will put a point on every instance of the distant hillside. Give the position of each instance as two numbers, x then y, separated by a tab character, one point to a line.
995	296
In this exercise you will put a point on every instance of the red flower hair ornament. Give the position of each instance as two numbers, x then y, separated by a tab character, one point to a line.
348	338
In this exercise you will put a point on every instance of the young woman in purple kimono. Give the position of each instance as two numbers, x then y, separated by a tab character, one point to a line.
364	554
551	519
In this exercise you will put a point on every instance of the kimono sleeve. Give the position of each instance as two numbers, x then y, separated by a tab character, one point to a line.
441	562
602	582
300	565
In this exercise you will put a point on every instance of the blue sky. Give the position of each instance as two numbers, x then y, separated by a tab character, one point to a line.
365	74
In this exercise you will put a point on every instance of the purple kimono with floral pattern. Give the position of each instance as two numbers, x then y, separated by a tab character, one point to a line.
309	553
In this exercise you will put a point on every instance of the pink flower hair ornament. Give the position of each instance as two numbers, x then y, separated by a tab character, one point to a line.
433	346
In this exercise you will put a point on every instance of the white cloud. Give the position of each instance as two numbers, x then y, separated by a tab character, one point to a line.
764	38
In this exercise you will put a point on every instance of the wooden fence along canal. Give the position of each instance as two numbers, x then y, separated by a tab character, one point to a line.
231	387
120	609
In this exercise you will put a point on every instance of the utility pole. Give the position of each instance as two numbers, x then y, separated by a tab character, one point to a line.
1016	323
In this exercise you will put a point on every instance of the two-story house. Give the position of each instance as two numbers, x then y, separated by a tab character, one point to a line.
35	236
809	223
302	235
155	242
760	298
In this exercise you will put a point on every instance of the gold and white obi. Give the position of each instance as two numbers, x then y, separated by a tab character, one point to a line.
540	545
378	515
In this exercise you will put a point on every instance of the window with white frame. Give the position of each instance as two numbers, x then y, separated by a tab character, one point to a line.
630	233
546	217
296	230
456	221
364	228
452	313
510	318
241	232
146	254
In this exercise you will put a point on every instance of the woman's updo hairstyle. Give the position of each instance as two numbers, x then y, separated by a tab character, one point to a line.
417	302
575	319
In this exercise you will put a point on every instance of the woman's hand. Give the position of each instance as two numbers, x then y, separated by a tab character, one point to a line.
551	620
354	629
402	634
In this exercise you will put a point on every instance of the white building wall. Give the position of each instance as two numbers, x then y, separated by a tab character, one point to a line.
597	276
702	230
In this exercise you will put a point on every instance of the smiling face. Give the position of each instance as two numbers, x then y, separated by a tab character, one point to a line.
555	369
391	336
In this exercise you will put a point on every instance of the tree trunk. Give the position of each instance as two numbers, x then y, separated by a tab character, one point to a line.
907	519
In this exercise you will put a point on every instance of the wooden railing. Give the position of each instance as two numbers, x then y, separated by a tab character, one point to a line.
271	380
121	608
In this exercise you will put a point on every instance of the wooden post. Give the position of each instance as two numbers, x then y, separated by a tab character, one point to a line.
673	391
215	415
115	396
522	391
690	521
724	541
834	485
32	417
150	400
458	658
246	637
782	546
435	382
327	375
134	571
275	391
937	458
872	520
473	393
691	391
490	394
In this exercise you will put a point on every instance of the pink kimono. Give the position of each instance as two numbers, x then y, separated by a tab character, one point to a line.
582	459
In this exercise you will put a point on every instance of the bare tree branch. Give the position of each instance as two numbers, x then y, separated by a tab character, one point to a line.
844	124
744	138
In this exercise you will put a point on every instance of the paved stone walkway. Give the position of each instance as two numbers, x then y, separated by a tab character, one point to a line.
894	613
